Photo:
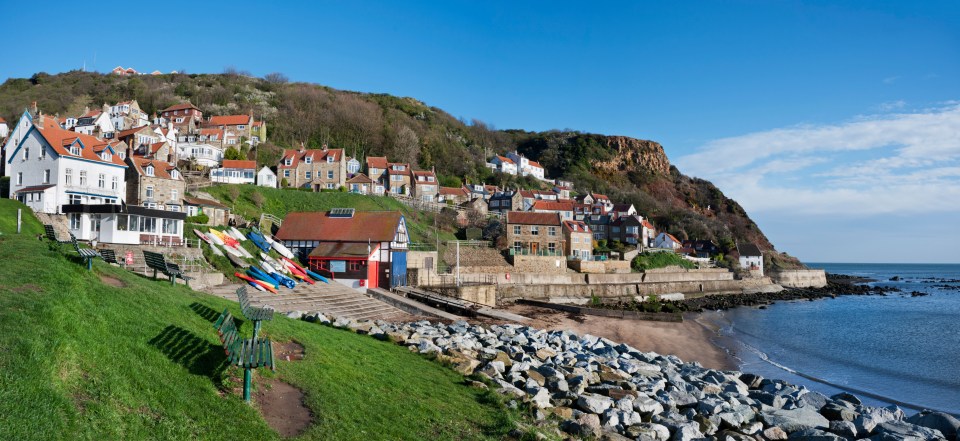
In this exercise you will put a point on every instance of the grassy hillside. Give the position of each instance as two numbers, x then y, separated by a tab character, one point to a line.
243	199
82	359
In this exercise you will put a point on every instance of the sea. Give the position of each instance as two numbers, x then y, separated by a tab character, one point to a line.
894	349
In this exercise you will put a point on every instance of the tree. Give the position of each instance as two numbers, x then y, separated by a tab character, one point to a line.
233	154
406	145
276	78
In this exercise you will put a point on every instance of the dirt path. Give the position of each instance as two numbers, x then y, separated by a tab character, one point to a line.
280	403
688	340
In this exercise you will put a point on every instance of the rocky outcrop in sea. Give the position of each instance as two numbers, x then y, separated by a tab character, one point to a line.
588	386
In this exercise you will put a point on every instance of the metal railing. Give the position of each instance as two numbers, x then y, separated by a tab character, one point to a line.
540	252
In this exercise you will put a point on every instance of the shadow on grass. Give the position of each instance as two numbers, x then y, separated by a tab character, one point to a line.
185	348
205	312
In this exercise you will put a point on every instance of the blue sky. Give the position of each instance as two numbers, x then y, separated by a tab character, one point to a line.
835	124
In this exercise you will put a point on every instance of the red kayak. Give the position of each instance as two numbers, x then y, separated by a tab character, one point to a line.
261	283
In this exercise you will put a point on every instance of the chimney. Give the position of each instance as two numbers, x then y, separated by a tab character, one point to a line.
86	109
324	147
33	108
302	148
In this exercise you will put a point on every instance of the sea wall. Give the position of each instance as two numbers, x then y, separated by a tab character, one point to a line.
799	278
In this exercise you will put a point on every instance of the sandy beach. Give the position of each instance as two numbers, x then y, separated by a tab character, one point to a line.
688	340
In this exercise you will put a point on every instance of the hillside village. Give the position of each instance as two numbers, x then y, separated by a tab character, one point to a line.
121	176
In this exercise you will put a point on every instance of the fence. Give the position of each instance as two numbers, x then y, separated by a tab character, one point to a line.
450	279
539	252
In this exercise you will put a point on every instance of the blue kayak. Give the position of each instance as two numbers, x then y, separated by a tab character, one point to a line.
317	276
259	241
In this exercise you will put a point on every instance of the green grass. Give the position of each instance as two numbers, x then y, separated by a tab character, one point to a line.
80	359
648	260
280	202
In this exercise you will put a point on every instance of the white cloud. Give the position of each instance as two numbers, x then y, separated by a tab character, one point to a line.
891	105
872	165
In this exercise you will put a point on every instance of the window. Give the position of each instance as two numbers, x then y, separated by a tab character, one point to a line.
83	178
286	173
516	229
330	174
149	170
170	226
329	159
114	183
101	181
288	162
148	224
74	150
517	246
43	153
307	160
307	175
74	221
173	195
552	231
26	153
175	208
354	266
68	176
75	199
123	155
535	230
396	178
191	211
122	221
19	178
494	203
552	247
232	142
134	223
329	186
46	176
149	192
241	127
39	196
174	174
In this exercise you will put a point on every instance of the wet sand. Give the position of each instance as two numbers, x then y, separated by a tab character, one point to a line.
688	340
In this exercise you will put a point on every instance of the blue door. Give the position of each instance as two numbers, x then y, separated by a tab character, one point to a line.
398	268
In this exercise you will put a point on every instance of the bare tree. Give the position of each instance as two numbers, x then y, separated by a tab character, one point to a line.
406	145
276	78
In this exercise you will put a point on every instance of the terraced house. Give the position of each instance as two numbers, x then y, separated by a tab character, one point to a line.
154	184
311	168
234	127
536	234
425	185
185	117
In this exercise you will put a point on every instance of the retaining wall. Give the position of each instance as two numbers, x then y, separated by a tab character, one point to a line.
799	278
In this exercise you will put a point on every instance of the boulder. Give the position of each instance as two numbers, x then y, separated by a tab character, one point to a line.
584	425
871	417
837	412
751	380
947	424
774	433
794	420
814	435
296	315
688	431
850	398
647	406
594	403
845	429
649	432
541	399
902	430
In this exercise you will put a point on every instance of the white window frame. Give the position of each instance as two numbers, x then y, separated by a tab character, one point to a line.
149	192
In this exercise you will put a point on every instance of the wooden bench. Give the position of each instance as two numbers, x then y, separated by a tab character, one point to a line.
51	234
253	313
157	262
87	254
110	256
247	354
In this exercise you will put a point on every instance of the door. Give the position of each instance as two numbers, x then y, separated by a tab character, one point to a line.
534	248
398	265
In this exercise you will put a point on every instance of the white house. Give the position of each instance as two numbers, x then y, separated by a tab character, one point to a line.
95	123
751	258
235	172
206	155
504	164
266	178
50	167
666	240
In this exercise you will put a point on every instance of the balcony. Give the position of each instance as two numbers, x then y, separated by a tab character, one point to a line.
528	252
93	190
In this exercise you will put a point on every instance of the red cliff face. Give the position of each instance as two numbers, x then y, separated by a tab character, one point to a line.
633	155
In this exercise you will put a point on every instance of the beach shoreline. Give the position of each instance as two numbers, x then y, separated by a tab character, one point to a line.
690	340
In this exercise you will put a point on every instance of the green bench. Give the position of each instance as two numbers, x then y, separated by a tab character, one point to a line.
247	354
110	256
87	254
253	313
51	234
157	262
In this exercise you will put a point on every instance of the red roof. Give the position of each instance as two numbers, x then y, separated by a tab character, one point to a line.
576	226
535	164
646	224
377	162
161	169
360	178
314	154
235	163
2	121
505	159
672	237
229	120
529	218
181	106
454	191
61	140
598	196
553	205
375	226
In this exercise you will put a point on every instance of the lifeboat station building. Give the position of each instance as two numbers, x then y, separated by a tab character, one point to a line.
359	249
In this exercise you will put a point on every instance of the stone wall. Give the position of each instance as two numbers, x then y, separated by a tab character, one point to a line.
422	259
540	264
599	267
482	294
799	278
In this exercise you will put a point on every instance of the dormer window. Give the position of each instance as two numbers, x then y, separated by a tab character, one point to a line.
106	156
123	155
174	174
288	162
329	159
74	150
148	170
307	160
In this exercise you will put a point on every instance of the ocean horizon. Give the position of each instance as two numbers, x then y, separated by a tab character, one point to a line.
902	348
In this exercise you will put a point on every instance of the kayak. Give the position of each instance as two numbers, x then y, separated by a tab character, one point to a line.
262	275
317	276
236	260
237	234
213	246
258	240
243	251
284	251
263	278
300	274
226	238
284	280
259	284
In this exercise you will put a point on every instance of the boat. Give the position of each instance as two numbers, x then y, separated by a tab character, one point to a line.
237	234
317	276
250	281
213	246
259	275
236	261
283	250
258	240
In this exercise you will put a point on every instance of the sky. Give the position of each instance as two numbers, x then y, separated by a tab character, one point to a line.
835	124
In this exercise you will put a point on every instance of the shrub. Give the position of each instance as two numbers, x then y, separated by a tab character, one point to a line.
257	199
648	260
198	219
